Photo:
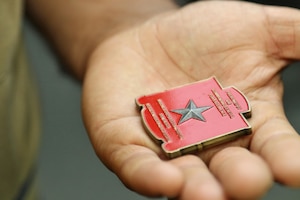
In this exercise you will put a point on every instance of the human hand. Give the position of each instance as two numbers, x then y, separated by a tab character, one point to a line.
242	44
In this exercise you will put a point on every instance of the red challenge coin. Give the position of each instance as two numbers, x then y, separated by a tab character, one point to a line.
195	117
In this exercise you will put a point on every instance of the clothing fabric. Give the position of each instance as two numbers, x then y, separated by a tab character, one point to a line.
19	108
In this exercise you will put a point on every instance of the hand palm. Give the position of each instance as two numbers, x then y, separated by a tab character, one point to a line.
239	43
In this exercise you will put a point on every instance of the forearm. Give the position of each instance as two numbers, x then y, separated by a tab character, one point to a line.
76	27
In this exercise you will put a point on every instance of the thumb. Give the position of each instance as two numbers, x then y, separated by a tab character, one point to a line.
283	25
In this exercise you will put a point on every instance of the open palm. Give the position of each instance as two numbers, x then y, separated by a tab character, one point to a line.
242	44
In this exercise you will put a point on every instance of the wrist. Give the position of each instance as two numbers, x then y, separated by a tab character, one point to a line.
111	23
77	27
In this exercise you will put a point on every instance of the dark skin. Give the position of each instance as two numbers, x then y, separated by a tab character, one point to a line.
242	44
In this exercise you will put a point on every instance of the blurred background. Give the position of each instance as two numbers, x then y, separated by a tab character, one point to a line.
67	166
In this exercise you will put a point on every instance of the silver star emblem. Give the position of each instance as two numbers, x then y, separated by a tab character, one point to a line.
191	112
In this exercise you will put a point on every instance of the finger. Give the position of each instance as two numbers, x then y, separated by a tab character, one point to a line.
284	28
134	159
243	175
199	182
279	144
142	171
